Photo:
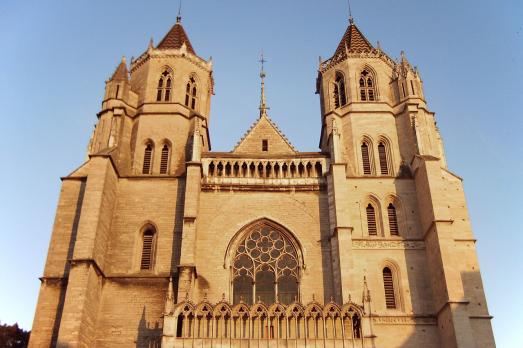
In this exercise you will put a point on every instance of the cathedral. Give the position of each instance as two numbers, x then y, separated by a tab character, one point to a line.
159	241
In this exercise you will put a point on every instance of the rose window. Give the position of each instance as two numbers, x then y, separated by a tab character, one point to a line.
265	267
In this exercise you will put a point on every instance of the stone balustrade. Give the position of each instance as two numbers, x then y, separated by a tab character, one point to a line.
268	172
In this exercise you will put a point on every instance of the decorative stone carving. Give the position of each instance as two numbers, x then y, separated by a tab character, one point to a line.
404	320
387	244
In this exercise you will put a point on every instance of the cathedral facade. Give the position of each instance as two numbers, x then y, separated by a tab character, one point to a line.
159	241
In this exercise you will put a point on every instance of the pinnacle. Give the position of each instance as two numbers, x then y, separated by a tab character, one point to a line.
121	73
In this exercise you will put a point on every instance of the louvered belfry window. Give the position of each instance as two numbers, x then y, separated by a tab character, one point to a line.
164	87
147	157
382	152
388	283
191	94
340	98
164	162
367	91
371	220
365	158
393	220
147	250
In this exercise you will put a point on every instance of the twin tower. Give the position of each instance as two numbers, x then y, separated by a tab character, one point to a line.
159	241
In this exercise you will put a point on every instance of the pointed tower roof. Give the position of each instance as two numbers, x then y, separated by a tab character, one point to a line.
354	40
121	73
175	38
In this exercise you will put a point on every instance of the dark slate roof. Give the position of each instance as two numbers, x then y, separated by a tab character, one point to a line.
354	40
175	39
121	72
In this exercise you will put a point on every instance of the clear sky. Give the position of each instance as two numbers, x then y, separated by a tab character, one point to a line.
56	56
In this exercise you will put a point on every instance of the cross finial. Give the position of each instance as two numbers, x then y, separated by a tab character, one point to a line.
351	20
179	16
263	103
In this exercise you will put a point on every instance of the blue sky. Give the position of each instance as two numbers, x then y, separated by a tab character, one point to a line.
56	56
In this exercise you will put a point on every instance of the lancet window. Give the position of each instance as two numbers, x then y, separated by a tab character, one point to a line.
367	86
147	159
265	267
371	220
191	94
365	158
393	220
147	249
164	89
340	97
164	161
388	283
382	153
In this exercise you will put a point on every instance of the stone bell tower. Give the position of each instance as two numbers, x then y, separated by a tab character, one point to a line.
155	108
385	146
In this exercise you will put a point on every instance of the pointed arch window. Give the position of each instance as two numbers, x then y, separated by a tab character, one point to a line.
382	153
148	240
340	97
191	94
164	161
393	220
388	284
147	159
164	89
365	158
367	86
372	227
265	267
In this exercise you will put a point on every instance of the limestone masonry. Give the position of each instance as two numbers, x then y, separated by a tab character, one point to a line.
159	241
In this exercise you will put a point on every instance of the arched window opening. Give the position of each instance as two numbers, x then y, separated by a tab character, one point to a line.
388	283
365	158
191	94
147	159
382	153
367	86
179	326
269	257
340	97
265	282
393	220
287	289
168	90
163	92
147	250
352	325
242	289
164	162
371	220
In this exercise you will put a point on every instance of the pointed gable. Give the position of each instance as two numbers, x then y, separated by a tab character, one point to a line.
264	129
175	38
354	40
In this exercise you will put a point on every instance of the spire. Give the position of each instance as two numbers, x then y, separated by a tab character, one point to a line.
263	103
176	37
121	73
